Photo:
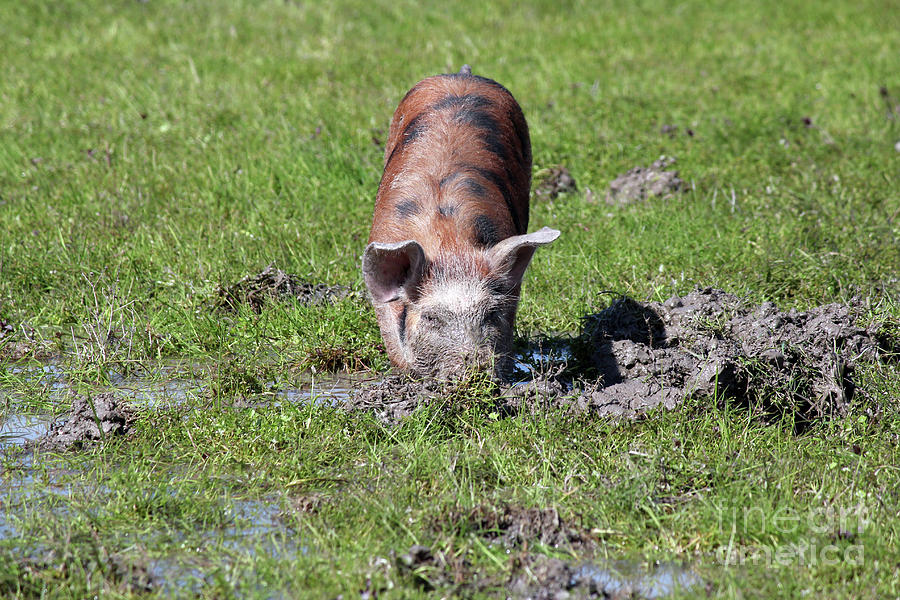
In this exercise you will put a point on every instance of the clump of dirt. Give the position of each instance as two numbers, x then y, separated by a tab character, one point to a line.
710	342
274	284
432	570
645	355
538	577
641	183
553	182
394	397
91	419
516	527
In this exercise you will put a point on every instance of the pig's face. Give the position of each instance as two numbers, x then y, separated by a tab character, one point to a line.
440	317
459	323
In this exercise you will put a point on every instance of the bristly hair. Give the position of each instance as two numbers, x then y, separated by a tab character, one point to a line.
450	267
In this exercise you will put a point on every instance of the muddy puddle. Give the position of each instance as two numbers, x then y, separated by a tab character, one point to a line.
256	527
633	357
630	358
112	408
570	566
20	429
552	578
197	559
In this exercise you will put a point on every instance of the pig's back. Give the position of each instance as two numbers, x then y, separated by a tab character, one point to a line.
457	168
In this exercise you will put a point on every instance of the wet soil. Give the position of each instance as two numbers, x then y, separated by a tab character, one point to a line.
705	344
91	419
710	342
546	578
515	527
553	182
641	183
274	284
533	575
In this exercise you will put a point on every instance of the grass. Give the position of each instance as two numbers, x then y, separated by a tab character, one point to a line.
153	152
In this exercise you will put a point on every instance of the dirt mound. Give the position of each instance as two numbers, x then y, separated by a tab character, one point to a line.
13	348
553	182
710	342
91	419
273	283
641	183
645	355
515	527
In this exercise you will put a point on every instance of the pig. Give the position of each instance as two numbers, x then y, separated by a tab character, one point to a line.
448	246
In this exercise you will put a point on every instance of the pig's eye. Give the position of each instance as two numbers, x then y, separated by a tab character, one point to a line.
433	319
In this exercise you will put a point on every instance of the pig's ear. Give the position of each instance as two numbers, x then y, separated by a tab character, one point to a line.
393	271
511	257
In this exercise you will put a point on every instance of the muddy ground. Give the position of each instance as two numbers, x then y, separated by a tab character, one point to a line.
641	183
633	357
91	419
552	182
532	575
630	358
274	284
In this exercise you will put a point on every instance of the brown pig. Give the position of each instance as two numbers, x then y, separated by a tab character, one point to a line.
448	248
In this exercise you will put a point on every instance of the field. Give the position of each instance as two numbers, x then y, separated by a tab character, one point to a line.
157	157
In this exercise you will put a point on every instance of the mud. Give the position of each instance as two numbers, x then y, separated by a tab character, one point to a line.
553	182
397	396
546	578
91	419
641	183
275	284
705	344
531	575
517	527
710	342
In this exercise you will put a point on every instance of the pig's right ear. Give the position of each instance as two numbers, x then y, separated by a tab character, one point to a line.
393	271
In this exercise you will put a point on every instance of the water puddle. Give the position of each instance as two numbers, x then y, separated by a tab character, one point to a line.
537	360
19	429
627	579
329	390
247	527
256	528
24	422
545	577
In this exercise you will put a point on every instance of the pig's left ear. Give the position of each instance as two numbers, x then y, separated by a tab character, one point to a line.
511	257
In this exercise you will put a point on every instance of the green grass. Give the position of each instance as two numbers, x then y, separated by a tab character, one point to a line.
152	152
